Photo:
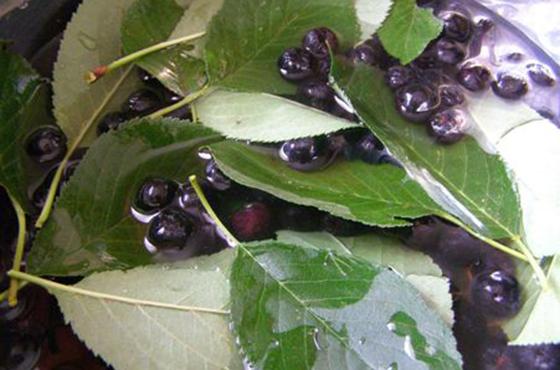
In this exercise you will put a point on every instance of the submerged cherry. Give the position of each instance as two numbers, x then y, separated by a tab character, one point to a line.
295	64
47	144
305	154
170	230
448	126
416	101
319	40
496	293
155	194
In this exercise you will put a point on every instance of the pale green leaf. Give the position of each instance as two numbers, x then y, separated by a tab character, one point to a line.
137	336
371	14
408	29
91	39
264	118
538	320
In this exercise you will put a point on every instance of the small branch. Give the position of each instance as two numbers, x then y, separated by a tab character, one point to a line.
4	294
541	276
230	238
20	247
98	72
51	285
180	104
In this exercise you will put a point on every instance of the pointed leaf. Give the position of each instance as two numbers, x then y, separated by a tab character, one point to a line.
264	118
91	228
371	14
159	338
246	38
306	308
23	108
91	39
417	268
408	29
373	194
465	180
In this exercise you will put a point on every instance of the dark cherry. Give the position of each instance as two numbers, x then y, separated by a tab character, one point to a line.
369	149
416	101
216	178
295	64
319	40
148	79
170	97
537	357
473	77
253	221
451	95
155	194
170	230
142	102
188	199
183	113
111	121
322	68
428	59
306	154
448	126
382	58
18	351
315	89
496	293
362	53
341	227
46	144
510	86
541	75
449	51
398	76
299	218
456	26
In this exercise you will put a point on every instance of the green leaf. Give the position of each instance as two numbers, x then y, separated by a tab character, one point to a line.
246	38
373	194
503	127
23	108
91	39
537	322
264	118
303	308
417	268
149	22
91	228
138	336
371	14
465	180
408	29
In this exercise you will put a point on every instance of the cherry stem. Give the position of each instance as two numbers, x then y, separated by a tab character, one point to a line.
232	241
4	294
98	72
20	247
180	104
541	276
51	285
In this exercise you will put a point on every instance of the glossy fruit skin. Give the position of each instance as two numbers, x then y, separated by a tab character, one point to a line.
216	178
451	95
46	144
474	77
456	26
449	51
363	53
448	126
306	154
318	41
148	79
496	293
382	58
111	121
170	230
155	194
540	75
295	64
315	89
398	76
368	149
416	101
510	87
253	221
537	357
142	102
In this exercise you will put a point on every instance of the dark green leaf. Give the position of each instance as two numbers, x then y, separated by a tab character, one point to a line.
91	228
303	308
408	29
246	38
149	22
373	194
23	107
469	183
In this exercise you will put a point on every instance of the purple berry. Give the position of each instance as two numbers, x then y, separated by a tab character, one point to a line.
448	126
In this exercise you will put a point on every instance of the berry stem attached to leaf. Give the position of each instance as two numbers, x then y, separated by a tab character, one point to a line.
180	104
200	193
98	72
20	246
51	285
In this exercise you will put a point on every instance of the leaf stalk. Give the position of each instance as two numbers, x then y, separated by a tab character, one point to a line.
180	104
51	285
98	72
20	247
